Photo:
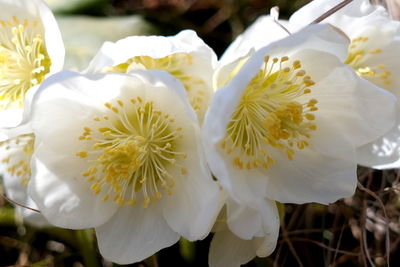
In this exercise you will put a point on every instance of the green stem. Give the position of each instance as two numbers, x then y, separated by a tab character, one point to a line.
7	217
187	250
87	247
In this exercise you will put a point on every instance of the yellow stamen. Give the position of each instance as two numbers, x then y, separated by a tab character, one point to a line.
18	154
359	56
176	64
135	152
24	61
271	116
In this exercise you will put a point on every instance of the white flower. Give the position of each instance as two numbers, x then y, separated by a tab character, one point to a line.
30	49
184	55
375	38
15	157
286	126
242	233
121	153
261	33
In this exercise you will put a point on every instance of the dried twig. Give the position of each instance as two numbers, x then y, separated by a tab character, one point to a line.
379	200
332	11
291	222
290	245
310	231
363	240
322	245
275	16
338	245
18	204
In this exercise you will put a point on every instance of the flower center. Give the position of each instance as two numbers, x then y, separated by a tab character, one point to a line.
178	65
18	153
271	114
23	60
357	56
136	153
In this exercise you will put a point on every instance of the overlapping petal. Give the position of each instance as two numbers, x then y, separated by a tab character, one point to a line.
134	234
230	248
121	158
374	40
348	115
184	55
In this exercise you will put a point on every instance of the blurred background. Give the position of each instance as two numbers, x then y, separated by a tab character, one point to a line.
85	24
360	231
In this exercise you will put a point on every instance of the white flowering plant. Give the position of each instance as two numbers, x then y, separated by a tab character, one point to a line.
175	150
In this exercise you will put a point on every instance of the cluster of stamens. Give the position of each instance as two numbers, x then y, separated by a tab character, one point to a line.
357	55
18	164
175	64
24	61
134	153
270	114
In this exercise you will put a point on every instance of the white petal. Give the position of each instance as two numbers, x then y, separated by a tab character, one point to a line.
316	37
245	186
257	220
228	248
311	177
196	200
383	153
54	43
32	217
111	54
357	107
383	35
261	33
64	200
358	110
243	221
386	38
133	234
25	8
17	121
14	189
194	205
226	70
393	165
9	118
268	237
